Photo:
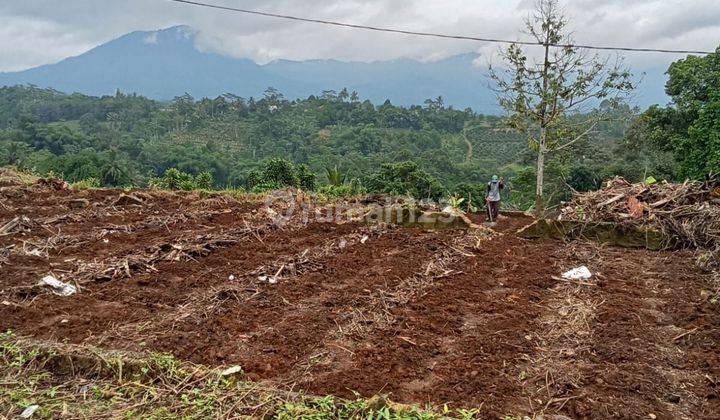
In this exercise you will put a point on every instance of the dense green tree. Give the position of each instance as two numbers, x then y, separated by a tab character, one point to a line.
307	180
405	178
690	126
114	170
14	153
280	172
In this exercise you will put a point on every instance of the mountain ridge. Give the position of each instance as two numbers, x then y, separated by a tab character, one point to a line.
166	63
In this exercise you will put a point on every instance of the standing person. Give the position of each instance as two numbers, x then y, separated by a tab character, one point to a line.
493	196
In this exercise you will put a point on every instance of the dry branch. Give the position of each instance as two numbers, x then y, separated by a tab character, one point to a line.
18	224
688	212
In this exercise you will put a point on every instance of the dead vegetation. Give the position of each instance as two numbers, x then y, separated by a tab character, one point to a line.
336	306
376	312
689	213
18	224
555	374
183	249
48	379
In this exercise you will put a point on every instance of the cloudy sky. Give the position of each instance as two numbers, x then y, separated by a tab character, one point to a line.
35	32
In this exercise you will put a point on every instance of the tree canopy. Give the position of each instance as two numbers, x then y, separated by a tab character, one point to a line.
690	126
333	141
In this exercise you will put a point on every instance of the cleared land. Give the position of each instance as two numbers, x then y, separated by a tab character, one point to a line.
426	317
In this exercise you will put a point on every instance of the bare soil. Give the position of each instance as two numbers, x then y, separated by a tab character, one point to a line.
427	317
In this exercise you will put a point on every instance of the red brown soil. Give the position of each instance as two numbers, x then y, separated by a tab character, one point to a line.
497	332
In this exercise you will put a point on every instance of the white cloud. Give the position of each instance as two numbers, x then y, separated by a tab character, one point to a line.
151	38
27	41
34	32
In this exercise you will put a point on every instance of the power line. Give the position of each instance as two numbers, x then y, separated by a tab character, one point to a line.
435	35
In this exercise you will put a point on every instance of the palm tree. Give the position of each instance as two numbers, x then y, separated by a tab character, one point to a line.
335	176
113	172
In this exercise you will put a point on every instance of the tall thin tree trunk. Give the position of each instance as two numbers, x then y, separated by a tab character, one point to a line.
540	176
542	149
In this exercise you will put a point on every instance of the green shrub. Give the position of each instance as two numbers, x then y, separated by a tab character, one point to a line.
174	179
253	178
187	185
265	187
336	191
281	172
521	190
473	194
306	178
204	181
405	178
583	178
335	176
357	187
86	184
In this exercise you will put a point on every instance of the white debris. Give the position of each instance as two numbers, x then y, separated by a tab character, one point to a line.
35	253
364	239
452	211
577	273
269	279
29	411
343	243
231	277
231	371
106	240
59	288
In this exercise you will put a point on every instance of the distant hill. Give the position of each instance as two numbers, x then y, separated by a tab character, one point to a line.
166	63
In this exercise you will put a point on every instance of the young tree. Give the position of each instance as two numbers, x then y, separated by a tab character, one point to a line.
549	99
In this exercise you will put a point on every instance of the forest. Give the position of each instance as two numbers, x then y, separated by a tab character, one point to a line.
340	144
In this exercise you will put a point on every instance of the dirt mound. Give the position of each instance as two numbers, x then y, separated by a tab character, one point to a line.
128	200
9	177
413	216
689	212
53	184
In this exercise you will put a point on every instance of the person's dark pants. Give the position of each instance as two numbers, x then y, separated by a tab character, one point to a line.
494	209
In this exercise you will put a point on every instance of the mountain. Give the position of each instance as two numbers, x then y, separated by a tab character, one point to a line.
166	63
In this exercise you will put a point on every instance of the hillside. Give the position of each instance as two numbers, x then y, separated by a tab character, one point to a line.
124	140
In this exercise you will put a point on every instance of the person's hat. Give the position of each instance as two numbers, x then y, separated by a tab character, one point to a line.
494	178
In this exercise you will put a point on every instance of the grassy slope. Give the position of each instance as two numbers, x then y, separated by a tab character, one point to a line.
72	381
